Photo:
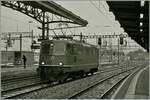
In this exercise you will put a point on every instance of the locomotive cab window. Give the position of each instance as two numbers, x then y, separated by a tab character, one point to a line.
59	49
45	48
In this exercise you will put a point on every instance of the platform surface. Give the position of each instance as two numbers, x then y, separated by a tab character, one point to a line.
142	86
134	87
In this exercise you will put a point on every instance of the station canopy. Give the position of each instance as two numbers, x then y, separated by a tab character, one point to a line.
134	18
37	9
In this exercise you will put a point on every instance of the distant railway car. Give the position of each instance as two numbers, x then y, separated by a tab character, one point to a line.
62	59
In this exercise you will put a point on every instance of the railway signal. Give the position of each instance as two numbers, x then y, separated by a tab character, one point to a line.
9	43
121	39
99	41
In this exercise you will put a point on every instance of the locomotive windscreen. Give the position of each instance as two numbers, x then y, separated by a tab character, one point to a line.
45	49
56	48
59	48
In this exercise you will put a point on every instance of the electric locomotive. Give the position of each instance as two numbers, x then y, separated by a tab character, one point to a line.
63	59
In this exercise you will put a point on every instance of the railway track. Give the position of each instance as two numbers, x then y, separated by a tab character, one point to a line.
79	94
14	92
7	81
5	78
18	92
114	86
18	83
21	90
103	93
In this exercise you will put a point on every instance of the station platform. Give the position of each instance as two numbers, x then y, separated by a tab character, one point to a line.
135	86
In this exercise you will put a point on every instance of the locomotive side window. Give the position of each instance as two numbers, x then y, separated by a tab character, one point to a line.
70	49
78	50
75	49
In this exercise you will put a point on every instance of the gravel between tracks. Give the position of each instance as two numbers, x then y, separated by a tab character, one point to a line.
19	83
97	91
63	91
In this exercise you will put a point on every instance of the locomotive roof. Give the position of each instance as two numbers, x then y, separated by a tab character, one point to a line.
72	42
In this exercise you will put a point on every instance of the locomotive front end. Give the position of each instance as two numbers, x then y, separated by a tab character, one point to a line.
51	60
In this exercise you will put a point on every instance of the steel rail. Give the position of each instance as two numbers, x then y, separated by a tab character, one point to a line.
104	96
101	81
33	80
43	86
17	79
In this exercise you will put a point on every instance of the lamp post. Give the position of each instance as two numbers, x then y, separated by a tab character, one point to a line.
29	24
31	31
99	44
20	46
118	51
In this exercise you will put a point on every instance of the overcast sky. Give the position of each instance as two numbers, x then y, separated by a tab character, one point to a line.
100	20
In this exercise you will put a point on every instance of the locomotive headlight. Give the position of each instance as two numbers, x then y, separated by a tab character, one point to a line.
43	63
60	63
52	45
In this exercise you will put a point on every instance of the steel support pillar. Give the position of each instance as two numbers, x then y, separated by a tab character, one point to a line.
21	45
47	28
118	52
43	26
